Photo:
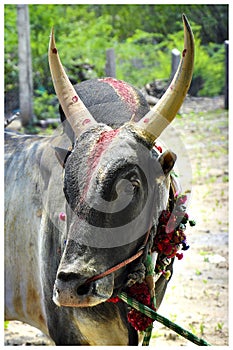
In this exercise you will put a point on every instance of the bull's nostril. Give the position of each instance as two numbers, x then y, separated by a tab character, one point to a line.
74	282
83	289
66	277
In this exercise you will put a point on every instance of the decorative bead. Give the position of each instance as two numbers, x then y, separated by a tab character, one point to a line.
159	148
192	223
179	256
62	216
167	274
114	300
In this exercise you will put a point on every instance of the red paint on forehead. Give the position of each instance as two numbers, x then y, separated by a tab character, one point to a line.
99	148
125	91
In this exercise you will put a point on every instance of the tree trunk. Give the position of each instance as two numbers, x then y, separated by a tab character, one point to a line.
110	68
25	65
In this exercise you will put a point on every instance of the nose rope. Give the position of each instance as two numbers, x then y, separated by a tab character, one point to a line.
122	264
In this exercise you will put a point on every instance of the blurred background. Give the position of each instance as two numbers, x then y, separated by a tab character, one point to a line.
139	41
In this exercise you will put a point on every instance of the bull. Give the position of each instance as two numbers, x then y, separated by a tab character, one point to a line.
92	207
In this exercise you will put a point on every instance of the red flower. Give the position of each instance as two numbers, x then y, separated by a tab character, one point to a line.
179	256
164	217
166	240
140	292
168	249
173	253
159	247
138	320
113	300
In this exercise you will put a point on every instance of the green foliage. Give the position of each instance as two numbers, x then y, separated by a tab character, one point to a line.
210	67
11	48
136	61
209	62
142	36
219	326
45	105
154	61
165	19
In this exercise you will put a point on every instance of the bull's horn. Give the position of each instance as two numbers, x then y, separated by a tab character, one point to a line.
75	110
159	117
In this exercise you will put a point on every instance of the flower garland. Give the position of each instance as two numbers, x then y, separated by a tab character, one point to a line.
140	292
168	241
170	237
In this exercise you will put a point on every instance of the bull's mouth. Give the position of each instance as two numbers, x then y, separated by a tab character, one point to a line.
73	294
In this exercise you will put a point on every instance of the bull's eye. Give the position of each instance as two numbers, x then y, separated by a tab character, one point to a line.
124	184
136	183
132	185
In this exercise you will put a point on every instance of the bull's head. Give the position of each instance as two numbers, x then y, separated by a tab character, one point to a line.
115	185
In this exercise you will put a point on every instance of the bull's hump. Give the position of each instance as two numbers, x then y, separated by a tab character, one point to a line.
111	101
125	92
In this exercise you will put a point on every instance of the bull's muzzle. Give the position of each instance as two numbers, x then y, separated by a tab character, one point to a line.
71	290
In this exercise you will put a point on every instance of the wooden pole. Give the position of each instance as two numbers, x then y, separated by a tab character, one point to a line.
110	68
25	65
175	62
226	96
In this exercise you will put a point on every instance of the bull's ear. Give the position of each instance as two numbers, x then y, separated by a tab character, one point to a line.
62	155
66	125
167	161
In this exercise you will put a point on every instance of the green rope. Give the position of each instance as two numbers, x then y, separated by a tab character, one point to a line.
147	335
155	316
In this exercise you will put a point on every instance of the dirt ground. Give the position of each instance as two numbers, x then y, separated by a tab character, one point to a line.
197	295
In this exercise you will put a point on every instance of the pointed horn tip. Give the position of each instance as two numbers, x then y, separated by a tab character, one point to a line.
186	22
52	33
173	97
52	44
